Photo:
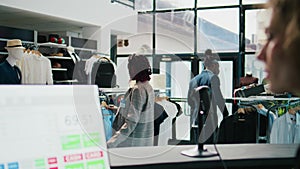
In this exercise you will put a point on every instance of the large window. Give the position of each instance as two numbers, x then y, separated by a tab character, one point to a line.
144	5
177	80
206	3
218	29
175	32
254	1
140	42
172	4
255	24
254	66
122	72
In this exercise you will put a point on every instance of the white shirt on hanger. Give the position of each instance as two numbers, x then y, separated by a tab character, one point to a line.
165	129
286	129
36	69
89	64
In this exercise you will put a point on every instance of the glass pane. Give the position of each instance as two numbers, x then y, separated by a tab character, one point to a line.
178	75
206	3
144	5
218	29
122	72
173	4
129	3
255	24
141	42
254	1
256	67
174	33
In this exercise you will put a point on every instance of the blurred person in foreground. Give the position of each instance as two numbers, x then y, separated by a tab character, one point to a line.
136	109
281	51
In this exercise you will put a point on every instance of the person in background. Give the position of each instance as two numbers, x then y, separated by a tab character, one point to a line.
208	77
9	72
137	108
281	51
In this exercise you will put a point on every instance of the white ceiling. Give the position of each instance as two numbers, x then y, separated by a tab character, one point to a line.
17	18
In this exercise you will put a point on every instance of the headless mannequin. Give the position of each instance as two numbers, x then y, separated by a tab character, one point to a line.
14	54
10	74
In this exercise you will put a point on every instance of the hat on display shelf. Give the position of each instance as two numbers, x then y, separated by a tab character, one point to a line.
14	43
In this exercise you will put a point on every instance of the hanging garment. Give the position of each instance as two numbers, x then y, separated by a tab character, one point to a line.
103	74
241	128
247	80
9	74
108	118
101	71
36	69
271	117
89	63
165	131
286	129
159	116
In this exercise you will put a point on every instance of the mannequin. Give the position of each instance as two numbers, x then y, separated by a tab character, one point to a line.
73	55
10	73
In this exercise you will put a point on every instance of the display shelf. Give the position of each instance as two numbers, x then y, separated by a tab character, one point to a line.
23	41
54	45
59	57
58	54
85	49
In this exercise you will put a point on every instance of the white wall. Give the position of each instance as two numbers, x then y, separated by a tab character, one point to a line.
100	12
108	17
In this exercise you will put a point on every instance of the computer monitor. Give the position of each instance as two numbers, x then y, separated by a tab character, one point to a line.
51	127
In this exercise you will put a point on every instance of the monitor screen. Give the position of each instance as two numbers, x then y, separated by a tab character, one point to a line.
51	127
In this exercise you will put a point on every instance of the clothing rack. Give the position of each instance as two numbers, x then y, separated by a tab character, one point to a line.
261	100
185	106
294	103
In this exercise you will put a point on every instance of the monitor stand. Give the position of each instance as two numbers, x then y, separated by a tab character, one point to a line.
198	151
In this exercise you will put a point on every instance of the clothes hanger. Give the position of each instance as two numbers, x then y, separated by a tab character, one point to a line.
160	98
293	107
294	110
244	111
241	114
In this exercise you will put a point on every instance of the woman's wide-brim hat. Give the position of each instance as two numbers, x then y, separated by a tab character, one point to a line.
14	43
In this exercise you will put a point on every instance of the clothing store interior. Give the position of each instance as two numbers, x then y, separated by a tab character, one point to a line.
78	93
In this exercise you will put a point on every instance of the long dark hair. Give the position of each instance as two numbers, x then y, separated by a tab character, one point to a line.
139	68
